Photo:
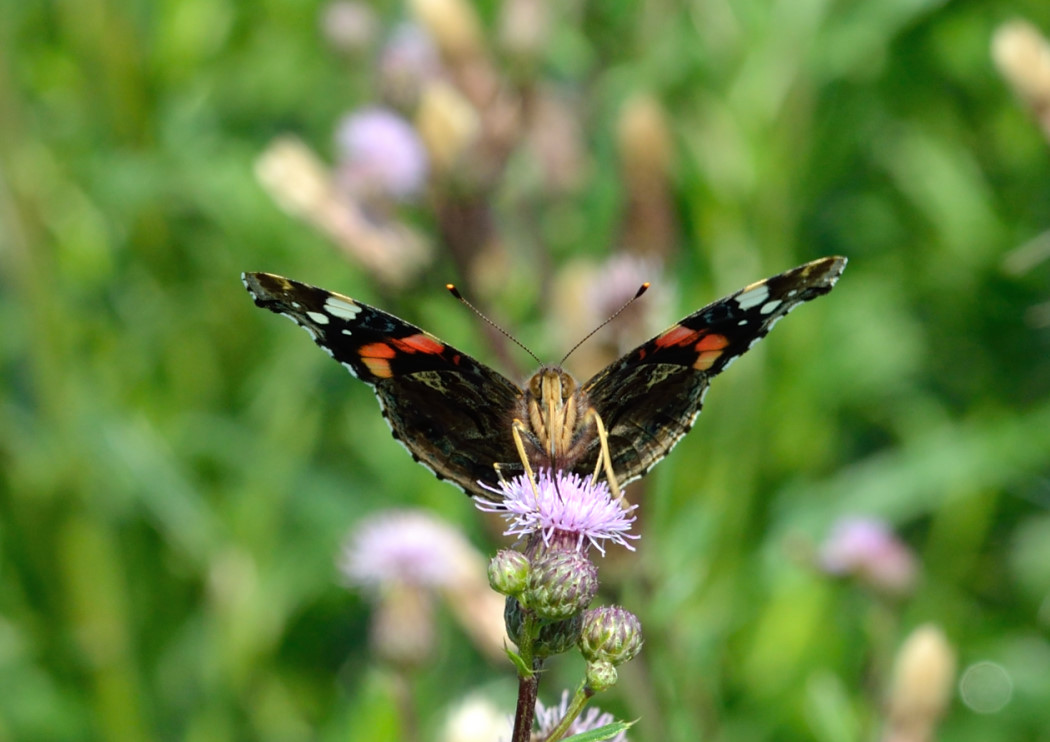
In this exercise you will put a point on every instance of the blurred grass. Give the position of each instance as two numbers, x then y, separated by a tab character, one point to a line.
177	469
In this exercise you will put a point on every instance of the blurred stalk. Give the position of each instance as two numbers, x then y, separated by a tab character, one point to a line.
108	46
646	153
98	614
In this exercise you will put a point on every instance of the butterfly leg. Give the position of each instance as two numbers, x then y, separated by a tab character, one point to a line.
516	430
604	458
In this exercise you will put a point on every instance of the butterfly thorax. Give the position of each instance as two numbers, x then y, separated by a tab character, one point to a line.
555	413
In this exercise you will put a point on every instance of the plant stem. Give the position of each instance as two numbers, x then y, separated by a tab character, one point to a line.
528	689
583	694
528	683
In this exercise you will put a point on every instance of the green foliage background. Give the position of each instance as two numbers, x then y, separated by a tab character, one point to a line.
177	468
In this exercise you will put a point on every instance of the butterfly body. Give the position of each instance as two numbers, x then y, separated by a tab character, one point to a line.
456	415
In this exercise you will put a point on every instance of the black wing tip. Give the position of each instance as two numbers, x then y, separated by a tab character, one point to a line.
269	290
830	267
259	285
821	275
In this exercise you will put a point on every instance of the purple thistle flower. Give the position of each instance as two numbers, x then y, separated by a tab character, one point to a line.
563	505
592	718
406	546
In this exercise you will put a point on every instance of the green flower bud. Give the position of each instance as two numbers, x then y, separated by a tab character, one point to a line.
561	584
554	637
600	676
610	634
509	572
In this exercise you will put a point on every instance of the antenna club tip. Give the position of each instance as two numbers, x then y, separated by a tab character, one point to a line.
642	289
453	290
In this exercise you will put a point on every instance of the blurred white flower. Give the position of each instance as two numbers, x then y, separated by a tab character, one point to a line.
476	719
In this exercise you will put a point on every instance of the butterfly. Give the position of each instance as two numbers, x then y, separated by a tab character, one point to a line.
460	418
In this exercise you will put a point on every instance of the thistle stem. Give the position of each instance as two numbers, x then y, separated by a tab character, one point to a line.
528	683
579	701
528	690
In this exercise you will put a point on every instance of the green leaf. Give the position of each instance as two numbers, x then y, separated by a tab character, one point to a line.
524	671
605	732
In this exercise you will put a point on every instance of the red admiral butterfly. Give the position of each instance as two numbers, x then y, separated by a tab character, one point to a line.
455	415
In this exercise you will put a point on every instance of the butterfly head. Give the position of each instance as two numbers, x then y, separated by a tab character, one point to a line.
553	408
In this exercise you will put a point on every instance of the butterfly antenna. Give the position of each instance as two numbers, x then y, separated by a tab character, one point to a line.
641	290
455	292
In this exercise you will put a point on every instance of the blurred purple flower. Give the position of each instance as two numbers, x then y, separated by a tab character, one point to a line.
406	546
617	280
408	61
593	718
380	154
568	507
868	549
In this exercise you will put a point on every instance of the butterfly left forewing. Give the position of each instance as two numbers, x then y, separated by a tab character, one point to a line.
452	413
650	397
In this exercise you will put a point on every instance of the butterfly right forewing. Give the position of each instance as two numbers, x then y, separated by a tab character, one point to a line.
650	397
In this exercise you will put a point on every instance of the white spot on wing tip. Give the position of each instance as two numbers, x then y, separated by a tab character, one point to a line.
321	319
752	297
770	306
342	308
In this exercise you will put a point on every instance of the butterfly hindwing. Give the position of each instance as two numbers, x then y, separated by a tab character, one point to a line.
650	397
451	412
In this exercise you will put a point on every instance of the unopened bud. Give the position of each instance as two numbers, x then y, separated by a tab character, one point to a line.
610	634
561	584
600	676
554	637
509	572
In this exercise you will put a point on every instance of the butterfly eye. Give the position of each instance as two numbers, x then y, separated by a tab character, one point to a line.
568	385
536	385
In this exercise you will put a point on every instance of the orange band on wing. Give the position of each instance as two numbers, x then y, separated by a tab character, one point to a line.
377	350
710	347
677	335
376	357
712	341
706	359
419	343
378	367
